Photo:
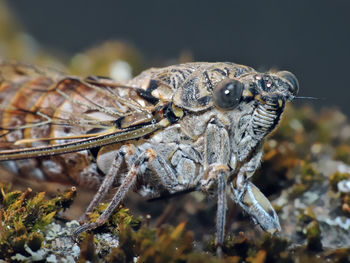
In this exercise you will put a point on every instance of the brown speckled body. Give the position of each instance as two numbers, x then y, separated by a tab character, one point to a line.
25	91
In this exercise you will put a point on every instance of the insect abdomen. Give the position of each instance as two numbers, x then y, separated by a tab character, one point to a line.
28	100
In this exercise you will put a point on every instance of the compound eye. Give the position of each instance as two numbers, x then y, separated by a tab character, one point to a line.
292	79
227	94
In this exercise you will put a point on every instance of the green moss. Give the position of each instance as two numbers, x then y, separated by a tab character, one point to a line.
306	216
235	246
120	218
275	249
166	244
231	245
310	175
335	178
342	153
313	236
299	189
34	241
309	225
87	249
22	217
175	244
116	255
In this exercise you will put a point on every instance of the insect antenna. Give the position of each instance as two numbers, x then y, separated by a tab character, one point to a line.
308	98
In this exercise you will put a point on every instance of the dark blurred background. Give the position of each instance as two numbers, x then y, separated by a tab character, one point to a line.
309	38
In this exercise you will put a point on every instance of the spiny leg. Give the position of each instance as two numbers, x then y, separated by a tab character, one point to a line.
253	201
217	177
221	212
104	187
125	152
128	182
216	158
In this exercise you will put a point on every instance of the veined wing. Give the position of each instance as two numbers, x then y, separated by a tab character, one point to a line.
45	113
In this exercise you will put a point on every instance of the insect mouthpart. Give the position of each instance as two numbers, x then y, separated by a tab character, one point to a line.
267	115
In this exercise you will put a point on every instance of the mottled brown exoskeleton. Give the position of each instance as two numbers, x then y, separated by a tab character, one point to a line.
195	125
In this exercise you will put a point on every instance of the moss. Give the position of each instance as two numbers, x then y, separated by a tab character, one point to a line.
23	217
308	177
116	255
166	244
176	244
87	249
313	236
335	178
339	255
260	257
243	249
236	246
309	174
34	241
306	216
275	249
310	227
342	153
299	189
121	217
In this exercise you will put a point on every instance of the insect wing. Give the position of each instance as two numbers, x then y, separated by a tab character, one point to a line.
45	113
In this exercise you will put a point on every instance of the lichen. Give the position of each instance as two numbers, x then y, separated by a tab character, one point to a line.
23	218
336	177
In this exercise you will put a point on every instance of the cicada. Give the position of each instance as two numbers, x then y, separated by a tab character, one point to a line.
195	126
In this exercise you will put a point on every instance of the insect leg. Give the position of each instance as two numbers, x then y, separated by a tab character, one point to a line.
221	210
217	154
166	175
104	187
128	182
249	197
124	153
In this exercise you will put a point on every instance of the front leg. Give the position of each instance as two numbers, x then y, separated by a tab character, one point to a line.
253	201
217	171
